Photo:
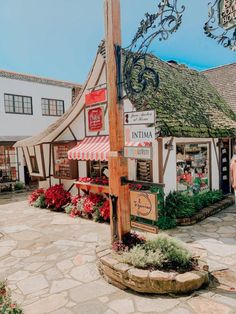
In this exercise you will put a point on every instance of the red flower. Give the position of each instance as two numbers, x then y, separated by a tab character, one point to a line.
105	210
56	196
35	195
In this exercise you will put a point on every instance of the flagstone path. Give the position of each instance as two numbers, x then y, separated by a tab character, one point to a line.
49	261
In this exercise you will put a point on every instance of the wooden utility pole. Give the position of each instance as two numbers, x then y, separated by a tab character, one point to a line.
118	166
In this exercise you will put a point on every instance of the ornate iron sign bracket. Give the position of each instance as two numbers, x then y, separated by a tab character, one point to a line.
138	72
218	26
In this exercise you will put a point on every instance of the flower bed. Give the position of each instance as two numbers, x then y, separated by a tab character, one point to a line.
161	265
54	198
92	206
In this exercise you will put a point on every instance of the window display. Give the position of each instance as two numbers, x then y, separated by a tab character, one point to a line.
97	169
192	167
8	164
63	167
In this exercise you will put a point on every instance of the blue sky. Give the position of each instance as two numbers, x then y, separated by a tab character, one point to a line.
59	38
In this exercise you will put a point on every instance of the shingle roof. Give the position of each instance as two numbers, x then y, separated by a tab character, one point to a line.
223	78
37	79
186	104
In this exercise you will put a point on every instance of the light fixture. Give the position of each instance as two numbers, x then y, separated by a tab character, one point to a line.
169	145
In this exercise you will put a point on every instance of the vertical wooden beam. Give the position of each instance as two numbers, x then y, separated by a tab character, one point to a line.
118	166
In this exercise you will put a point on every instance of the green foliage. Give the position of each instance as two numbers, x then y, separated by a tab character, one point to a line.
172	250
165	222
162	252
7	306
40	202
68	208
179	205
139	257
19	185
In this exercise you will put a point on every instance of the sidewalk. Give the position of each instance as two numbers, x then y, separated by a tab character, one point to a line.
49	260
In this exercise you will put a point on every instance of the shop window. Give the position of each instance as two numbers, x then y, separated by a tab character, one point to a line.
97	169
18	104
8	164
144	170
192	166
52	107
34	164
63	167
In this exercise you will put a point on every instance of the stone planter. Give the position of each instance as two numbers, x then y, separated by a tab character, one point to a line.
126	276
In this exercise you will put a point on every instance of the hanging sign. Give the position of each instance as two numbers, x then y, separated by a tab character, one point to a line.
144	227
227	14
139	117
138	152
95	97
139	134
96	119
143	204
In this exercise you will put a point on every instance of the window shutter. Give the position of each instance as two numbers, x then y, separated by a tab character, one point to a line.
144	170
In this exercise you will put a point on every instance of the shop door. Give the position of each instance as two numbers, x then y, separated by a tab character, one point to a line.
225	164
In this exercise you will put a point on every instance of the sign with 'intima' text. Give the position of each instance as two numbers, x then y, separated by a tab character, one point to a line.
139	134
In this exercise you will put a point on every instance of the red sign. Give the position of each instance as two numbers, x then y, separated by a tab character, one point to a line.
95	97
96	119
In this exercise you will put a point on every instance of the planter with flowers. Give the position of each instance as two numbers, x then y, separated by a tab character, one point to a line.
159	265
94	185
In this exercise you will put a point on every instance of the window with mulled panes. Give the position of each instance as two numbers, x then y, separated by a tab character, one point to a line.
52	107
18	104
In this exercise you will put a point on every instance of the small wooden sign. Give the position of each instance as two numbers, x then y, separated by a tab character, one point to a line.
134	152
143	204
144	227
139	117
96	119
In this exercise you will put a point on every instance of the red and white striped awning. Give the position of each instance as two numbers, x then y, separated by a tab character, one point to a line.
96	148
91	148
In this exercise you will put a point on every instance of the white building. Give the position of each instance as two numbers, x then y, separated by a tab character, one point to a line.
28	104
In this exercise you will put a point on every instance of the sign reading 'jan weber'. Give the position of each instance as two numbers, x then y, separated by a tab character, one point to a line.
138	152
227	14
96	119
139	134
143	204
139	117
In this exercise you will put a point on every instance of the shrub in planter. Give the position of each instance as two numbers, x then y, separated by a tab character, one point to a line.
35	195
165	222
56	197
178	205
19	186
162	252
104	210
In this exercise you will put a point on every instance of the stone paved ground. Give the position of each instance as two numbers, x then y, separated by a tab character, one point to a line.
49	261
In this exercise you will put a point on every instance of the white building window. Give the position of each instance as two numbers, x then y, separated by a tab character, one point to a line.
52	107
18	104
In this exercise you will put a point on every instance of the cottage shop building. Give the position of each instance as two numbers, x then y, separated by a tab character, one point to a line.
191	122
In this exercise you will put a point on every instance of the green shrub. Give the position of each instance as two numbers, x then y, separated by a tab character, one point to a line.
173	250
40	202
165	222
205	199
19	185
139	257
179	205
162	252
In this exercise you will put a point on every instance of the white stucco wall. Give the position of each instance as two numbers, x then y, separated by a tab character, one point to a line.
27	125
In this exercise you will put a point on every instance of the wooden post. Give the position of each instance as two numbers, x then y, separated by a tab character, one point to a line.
119	194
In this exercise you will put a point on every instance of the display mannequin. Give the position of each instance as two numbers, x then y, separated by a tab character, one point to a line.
233	174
